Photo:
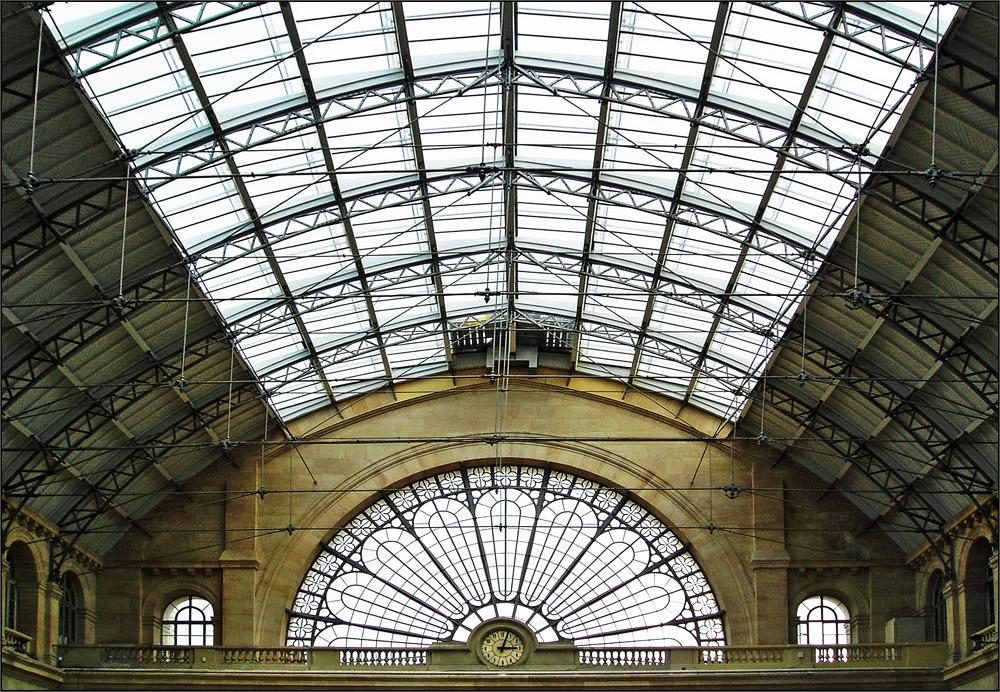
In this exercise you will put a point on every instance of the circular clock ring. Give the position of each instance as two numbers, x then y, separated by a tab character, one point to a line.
502	647
502	643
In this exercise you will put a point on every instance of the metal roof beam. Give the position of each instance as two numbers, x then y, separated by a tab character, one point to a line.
508	39
601	141
772	183
719	33
331	175
863	458
403	46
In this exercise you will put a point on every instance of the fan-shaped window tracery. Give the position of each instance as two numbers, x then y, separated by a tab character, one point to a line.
572	560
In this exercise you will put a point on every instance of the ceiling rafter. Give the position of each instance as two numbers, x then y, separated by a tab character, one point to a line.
405	60
864	457
244	194
818	66
718	35
600	143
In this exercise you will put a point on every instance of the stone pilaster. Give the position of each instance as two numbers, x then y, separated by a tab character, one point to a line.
996	584
239	561
954	627
770	560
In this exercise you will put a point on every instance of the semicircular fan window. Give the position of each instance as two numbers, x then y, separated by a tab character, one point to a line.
570	559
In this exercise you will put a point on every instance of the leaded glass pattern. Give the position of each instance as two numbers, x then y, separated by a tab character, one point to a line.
574	561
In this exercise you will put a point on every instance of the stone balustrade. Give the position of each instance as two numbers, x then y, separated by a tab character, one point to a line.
984	638
381	658
112	656
553	657
16	641
278	656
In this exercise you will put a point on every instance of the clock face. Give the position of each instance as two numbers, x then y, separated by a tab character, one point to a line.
502	647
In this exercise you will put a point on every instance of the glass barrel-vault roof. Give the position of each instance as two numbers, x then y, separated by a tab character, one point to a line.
353	183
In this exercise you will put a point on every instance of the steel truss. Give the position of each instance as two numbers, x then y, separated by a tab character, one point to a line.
925	199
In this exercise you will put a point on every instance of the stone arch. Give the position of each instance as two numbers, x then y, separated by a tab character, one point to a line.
715	553
852	598
976	579
156	602
25	564
933	604
645	567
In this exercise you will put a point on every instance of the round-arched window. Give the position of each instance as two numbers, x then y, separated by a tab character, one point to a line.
823	621
571	560
188	622
69	611
11	604
938	609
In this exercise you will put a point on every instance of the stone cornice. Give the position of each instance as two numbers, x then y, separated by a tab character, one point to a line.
966	523
42	528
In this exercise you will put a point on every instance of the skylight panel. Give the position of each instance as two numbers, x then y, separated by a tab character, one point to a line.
766	281
389	236
919	18
673	42
857	94
664	371
737	345
705	259
559	131
311	259
344	40
576	31
479	271
244	61
765	59
629	235
375	142
809	203
241	284
270	316
647	147
433	32
290	163
147	97
715	397
554	220
465	220
603	354
681	324
295	390
262	350
360	373
452	127
405	302
729	171
76	20
546	287
613	302
412	355
199	207
337	320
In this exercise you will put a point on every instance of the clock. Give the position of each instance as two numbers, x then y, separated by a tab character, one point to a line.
502	647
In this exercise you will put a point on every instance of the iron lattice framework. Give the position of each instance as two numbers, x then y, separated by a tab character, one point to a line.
345	185
347	195
570	559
